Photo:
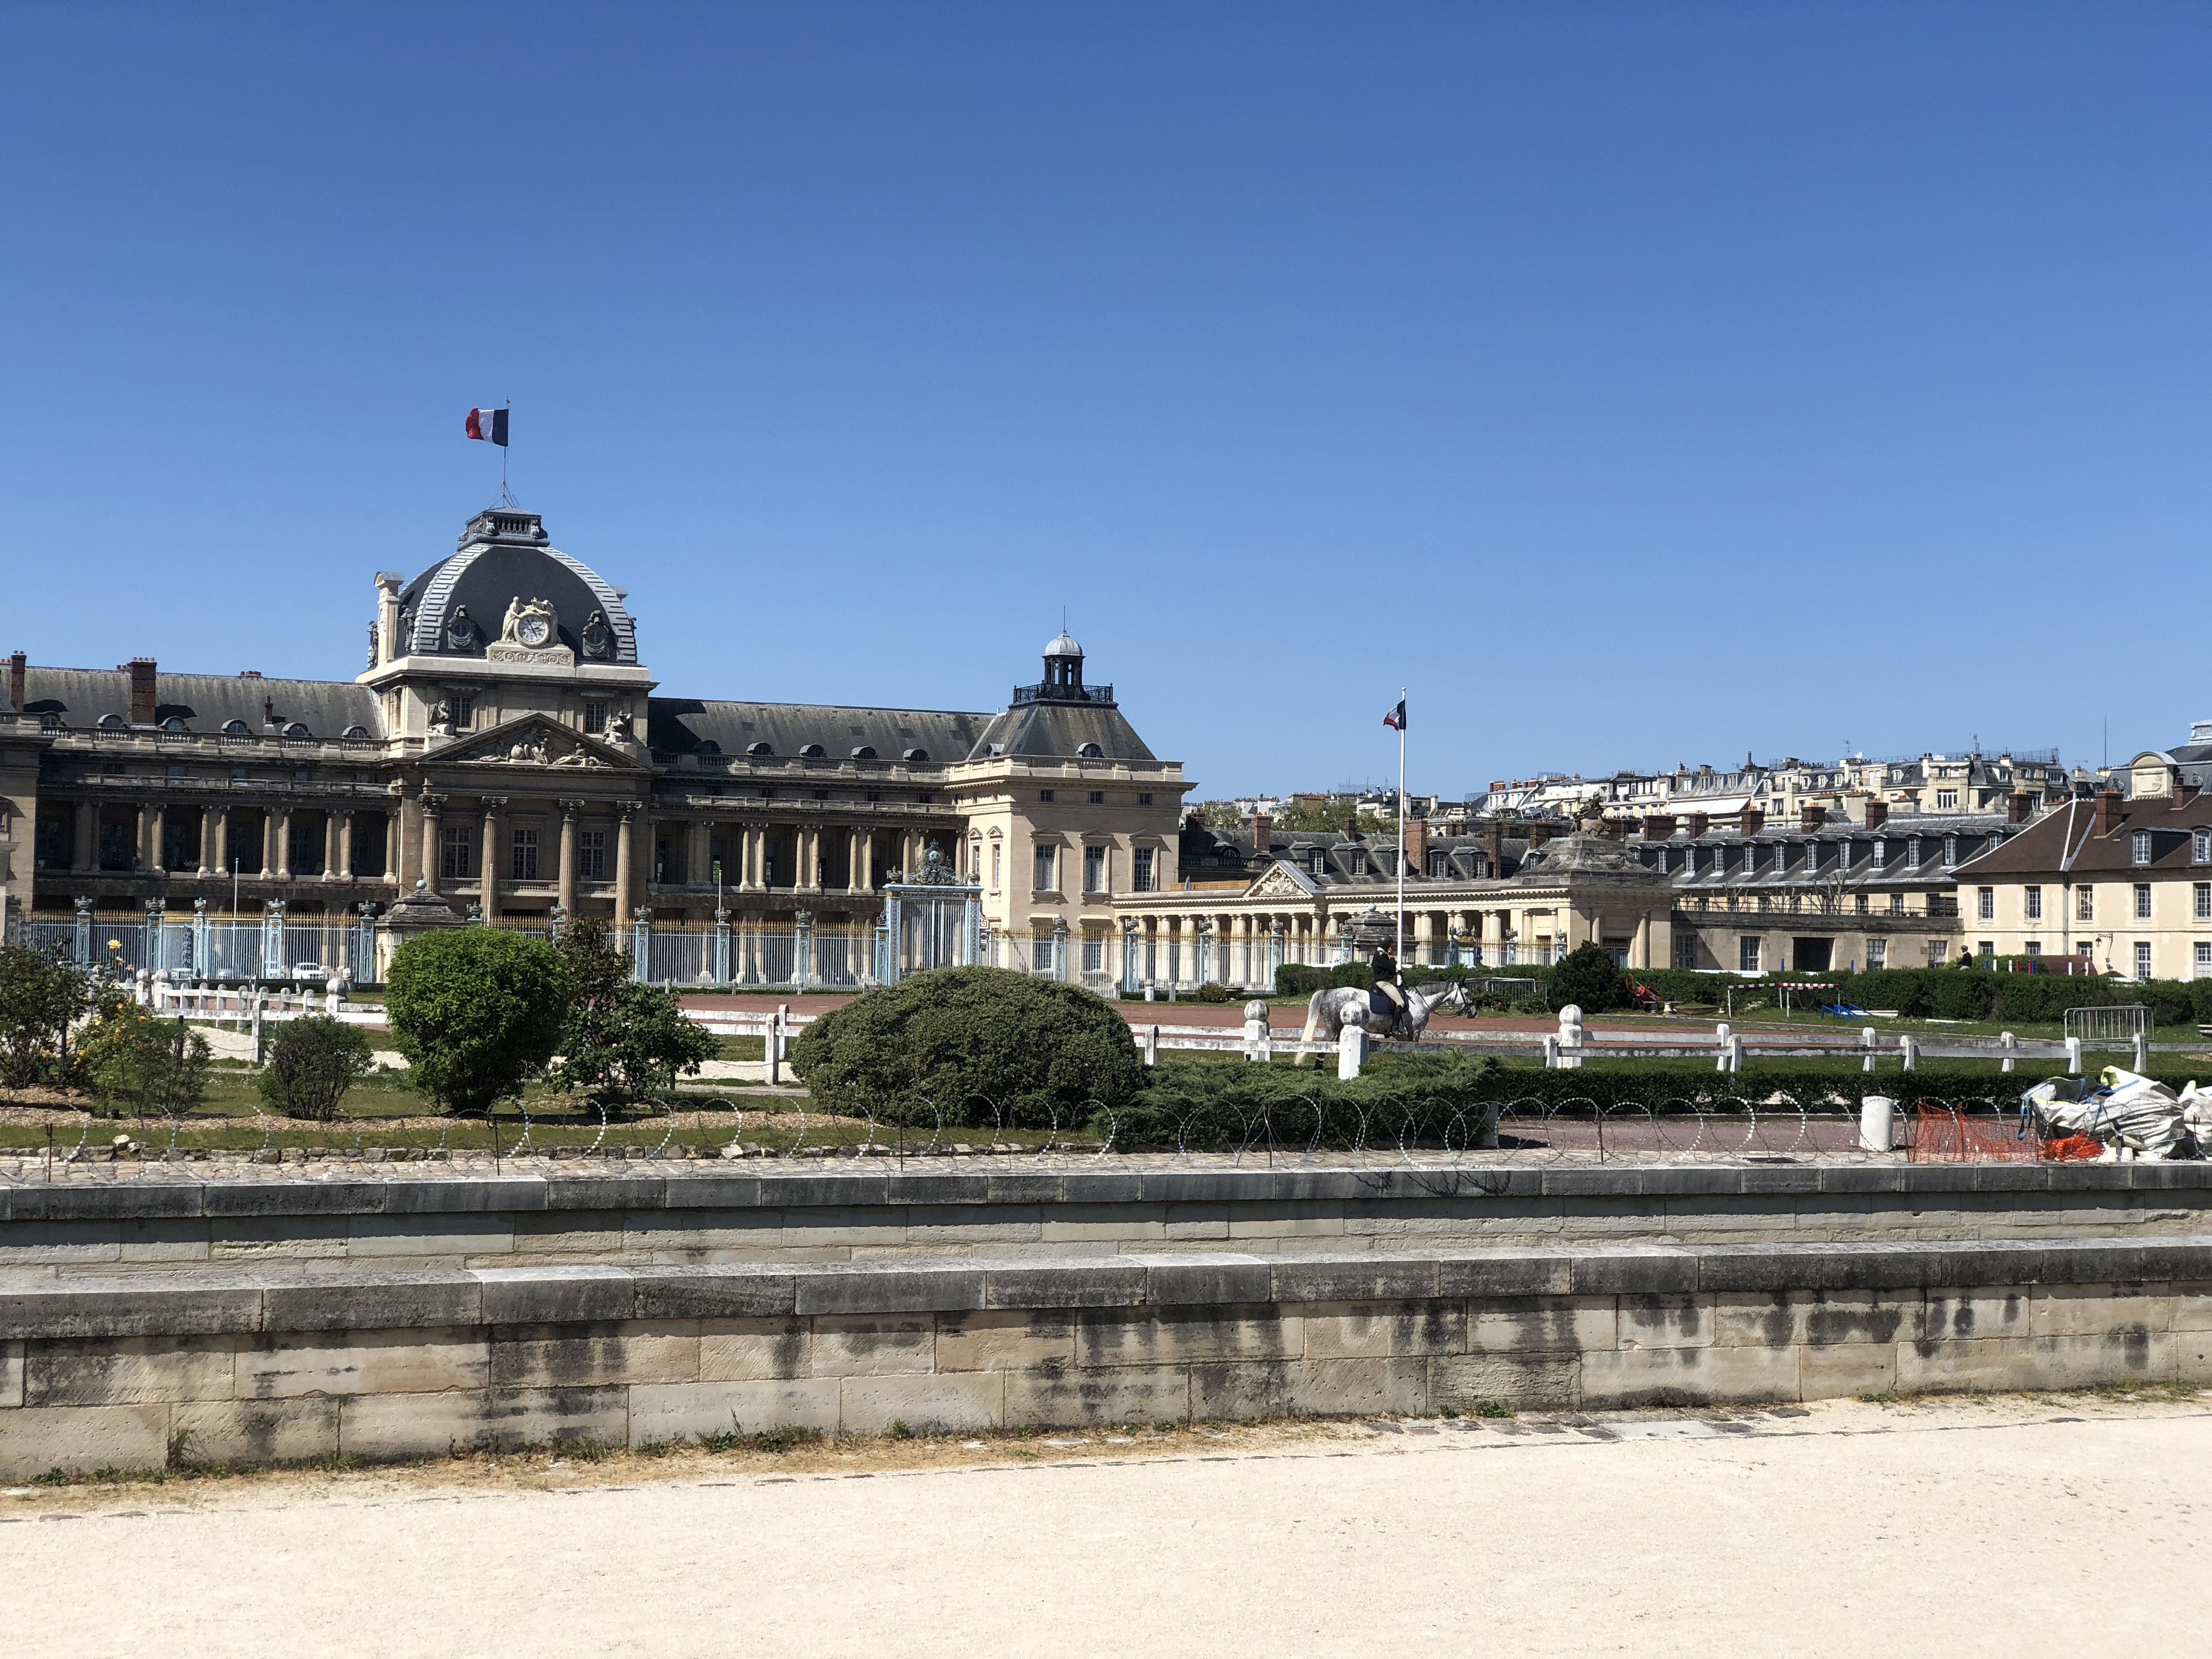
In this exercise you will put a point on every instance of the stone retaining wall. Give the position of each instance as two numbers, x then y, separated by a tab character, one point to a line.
158	1222
268	1366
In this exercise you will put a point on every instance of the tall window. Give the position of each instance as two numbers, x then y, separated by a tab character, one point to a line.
595	717
996	853
1935	953
1747	954
1950	851
2142	901
2204	959
2142	959
1865	903
2085	905
1686	950
1093	871
1141	870
2200	847
1881	854
522	860
1048	868
2034	903
454	840
2143	847
464	711
1947	800
1877	953
591	855
1912	851
1986	903
2203	897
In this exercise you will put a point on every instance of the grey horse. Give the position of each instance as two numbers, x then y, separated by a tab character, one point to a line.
1330	1011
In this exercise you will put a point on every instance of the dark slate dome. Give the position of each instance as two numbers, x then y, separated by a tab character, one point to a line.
456	607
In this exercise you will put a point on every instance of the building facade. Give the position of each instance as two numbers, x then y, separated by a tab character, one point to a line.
507	748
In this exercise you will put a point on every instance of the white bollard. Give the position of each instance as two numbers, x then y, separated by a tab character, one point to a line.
1255	1030
1151	1045
1570	1038
1908	1051
1877	1120
2142	1051
1551	1052
2074	1056
1735	1052
775	1044
1351	1052
1867	1042
1721	1036
2009	1045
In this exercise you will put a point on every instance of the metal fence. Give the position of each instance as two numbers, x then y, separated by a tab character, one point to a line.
2124	1023
272	947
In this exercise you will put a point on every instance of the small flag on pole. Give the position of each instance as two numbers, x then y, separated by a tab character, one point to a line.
489	423
1396	717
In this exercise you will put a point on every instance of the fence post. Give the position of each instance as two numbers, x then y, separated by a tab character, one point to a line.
1551	1051
2074	1056
721	946
258	997
1867	1041
774	1045
1151	1045
1570	1038
2009	1045
1735	1052
802	949
1255	1031
2143	1050
1908	1051
1721	1037
641	947
1351	1052
272	939
83	932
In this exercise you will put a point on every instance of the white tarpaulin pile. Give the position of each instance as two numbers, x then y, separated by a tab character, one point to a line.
2130	1113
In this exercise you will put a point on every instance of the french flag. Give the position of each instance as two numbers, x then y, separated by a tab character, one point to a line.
489	423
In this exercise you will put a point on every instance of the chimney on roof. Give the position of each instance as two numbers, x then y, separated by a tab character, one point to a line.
2018	805
15	682
2108	812
141	670
1538	835
1753	820
2186	790
1493	845
1877	814
1811	817
1660	826
1351	826
1263	833
1414	838
1699	824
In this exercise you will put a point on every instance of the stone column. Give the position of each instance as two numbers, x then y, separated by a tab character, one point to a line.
337	846
569	811
625	857
809	858
429	846
749	858
857	874
213	821
149	837
698	857
85	833
277	843
407	864
1425	938
393	842
495	807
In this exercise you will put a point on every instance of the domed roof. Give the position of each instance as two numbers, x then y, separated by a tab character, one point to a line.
1064	646
457	607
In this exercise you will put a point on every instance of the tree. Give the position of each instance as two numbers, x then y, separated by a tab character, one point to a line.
40	994
1033	1046
622	1041
312	1062
1589	977
141	1065
478	1010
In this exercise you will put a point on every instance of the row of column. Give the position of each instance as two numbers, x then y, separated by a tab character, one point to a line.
1245	947
149	822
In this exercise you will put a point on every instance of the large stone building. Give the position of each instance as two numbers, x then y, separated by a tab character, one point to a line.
506	748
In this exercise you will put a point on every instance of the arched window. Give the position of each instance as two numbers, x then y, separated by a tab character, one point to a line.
235	729
810	752
356	734
1090	751
915	755
111	722
297	730
174	723
760	750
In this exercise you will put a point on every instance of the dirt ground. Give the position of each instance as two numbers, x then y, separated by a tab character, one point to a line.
2020	1527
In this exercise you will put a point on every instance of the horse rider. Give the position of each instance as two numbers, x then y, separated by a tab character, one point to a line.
1387	1001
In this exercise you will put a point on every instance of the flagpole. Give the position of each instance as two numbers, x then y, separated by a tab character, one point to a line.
1398	955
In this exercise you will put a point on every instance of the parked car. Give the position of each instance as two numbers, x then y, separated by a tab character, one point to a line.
309	970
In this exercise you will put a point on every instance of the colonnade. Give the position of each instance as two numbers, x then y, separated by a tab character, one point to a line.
214	835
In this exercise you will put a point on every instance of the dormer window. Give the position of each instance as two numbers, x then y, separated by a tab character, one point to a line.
2200	847
1912	851
2143	847
297	730
1090	752
918	756
111	723
1320	862
1950	851
1359	862
174	723
235	729
357	734
760	750
863	753
810	752
1881	854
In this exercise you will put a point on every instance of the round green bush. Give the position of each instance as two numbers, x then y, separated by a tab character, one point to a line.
1589	977
478	1012
939	1040
312	1062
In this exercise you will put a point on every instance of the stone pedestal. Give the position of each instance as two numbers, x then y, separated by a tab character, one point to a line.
421	912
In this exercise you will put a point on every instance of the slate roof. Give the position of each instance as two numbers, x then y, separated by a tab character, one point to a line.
680	726
1064	731
2066	843
204	702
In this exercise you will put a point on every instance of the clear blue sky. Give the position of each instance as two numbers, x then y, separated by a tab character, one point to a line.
1642	383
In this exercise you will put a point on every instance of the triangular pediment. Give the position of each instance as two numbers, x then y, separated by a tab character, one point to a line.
1281	881
534	741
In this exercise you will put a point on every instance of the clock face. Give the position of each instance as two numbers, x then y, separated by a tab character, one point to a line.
534	631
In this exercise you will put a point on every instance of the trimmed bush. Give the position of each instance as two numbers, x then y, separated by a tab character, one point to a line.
1297	979
478	1011
1037	1047
141	1065
1589	977
312	1062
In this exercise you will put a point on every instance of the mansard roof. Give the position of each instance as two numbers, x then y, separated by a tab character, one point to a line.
692	725
503	556
1064	731
80	698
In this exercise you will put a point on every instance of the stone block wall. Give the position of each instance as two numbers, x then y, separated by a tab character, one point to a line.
260	1366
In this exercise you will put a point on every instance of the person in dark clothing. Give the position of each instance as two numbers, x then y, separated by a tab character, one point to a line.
1388	999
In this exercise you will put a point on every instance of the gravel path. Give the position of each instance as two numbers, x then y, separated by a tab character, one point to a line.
1961	1529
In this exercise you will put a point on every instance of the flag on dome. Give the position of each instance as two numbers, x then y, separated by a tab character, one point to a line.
489	423
1396	717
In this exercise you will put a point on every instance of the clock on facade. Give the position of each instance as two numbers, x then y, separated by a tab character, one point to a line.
535	631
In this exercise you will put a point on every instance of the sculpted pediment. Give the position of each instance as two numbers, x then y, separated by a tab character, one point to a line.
1281	881
534	740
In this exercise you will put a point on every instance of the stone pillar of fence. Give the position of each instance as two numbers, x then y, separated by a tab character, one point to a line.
1570	1038
1908	1051
1258	1041
1351	1052
1867	1041
802	949
272	939
721	946
2074	1056
641	945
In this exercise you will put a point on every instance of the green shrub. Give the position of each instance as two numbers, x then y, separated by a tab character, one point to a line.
1354	975
137	1064
622	1041
312	1062
40	994
478	1011
1213	990
1589	978
1036	1047
1298	979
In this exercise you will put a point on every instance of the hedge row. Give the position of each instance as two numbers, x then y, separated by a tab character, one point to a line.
1959	992
1430	1100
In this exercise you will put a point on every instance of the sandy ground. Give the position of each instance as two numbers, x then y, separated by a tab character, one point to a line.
2019	1528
